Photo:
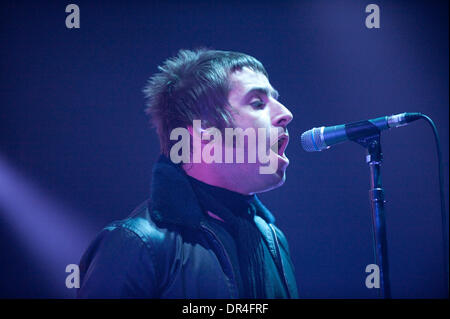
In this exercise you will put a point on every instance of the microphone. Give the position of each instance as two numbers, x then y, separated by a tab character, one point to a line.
321	138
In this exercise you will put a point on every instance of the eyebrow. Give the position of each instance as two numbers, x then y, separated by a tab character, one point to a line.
262	90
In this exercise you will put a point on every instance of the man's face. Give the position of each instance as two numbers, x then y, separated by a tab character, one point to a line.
254	105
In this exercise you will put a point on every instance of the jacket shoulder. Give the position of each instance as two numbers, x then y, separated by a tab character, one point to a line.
140	223
124	260
160	241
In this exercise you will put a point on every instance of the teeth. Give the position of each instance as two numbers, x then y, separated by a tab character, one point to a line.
281	143
276	146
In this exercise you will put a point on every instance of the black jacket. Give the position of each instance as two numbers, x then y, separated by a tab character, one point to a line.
167	248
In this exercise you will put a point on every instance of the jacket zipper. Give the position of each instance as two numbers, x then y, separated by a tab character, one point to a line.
280	261
227	257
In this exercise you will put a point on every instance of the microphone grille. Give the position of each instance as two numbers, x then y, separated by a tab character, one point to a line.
312	141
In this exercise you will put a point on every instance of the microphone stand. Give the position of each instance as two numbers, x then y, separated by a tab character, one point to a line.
374	158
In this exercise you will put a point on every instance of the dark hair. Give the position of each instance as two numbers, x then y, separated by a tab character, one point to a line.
193	85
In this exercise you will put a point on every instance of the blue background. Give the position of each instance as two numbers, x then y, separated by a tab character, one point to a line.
76	149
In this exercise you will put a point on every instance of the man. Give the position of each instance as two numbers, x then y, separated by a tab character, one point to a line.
204	233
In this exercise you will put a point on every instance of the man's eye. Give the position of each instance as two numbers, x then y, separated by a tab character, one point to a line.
257	104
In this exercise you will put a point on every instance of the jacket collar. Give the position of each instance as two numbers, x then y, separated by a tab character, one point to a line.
173	199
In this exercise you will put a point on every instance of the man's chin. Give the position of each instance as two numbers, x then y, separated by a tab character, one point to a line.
272	181
280	176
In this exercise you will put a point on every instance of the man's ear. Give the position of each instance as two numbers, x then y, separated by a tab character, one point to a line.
196	129
199	131
190	129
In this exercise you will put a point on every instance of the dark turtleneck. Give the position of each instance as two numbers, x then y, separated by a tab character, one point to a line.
237	212
223	199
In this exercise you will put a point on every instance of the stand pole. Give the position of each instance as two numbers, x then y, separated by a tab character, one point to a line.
376	195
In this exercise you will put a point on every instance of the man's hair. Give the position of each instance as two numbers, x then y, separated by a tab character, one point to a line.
193	85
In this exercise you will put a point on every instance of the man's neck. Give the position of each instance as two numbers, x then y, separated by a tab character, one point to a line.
211	174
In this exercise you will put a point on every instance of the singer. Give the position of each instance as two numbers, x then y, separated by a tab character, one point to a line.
203	233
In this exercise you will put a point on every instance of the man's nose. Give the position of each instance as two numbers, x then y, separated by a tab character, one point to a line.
282	116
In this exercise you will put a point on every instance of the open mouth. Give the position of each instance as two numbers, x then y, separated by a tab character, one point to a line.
280	145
